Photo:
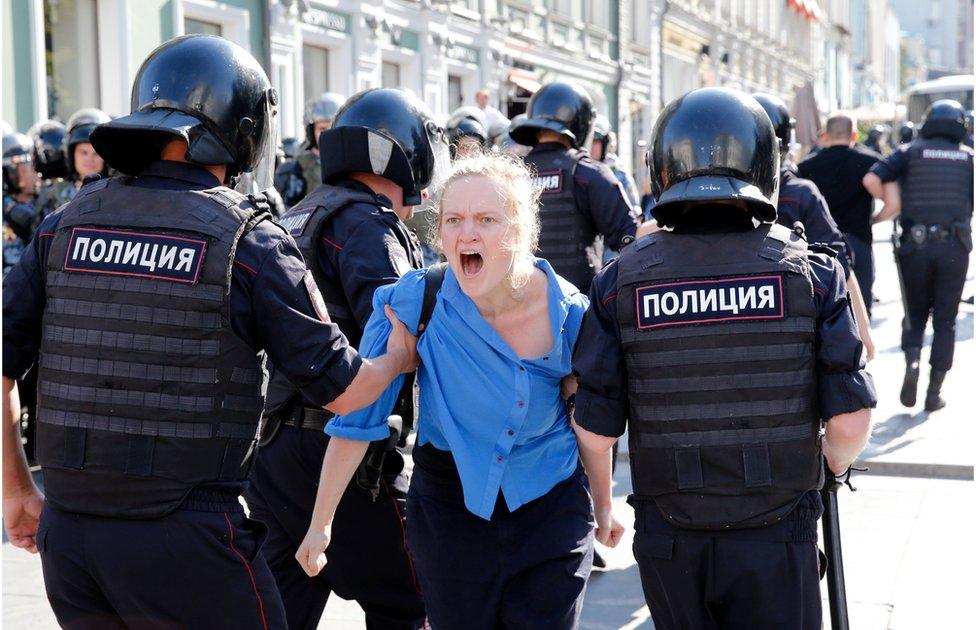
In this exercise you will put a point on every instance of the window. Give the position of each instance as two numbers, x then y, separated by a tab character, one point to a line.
193	26
71	46
454	94
598	14
391	75
315	70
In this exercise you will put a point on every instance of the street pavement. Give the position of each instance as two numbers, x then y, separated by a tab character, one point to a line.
907	549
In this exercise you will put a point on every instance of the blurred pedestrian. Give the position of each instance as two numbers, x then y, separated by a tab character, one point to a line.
837	170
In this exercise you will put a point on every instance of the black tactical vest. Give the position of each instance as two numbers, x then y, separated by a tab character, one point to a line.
305	223
718	334
936	186
144	390
566	230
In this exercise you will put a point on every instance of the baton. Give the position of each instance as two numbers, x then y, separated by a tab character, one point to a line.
906	323
836	589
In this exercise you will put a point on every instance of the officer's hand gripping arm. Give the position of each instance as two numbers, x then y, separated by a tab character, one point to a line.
22	501
342	458
375	375
861	316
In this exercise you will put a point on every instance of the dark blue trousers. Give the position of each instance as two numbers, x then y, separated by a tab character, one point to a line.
368	560
194	568
523	569
749	579
934	274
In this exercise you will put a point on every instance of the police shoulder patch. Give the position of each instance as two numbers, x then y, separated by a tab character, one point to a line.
144	255
550	182
318	302
709	301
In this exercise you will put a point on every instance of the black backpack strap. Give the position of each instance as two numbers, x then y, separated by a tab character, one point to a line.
432	284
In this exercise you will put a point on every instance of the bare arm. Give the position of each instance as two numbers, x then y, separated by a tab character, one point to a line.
22	501
342	457
596	453
375	375
861	315
888	192
847	434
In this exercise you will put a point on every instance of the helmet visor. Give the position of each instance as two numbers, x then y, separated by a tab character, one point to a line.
260	177
440	155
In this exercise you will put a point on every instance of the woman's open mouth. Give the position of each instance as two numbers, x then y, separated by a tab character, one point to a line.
471	264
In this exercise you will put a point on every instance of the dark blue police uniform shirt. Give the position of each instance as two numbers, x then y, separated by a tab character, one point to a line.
369	247
270	308
800	200
598	191
598	360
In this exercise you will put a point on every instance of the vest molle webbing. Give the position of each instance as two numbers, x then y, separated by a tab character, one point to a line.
718	333
144	389
565	230
936	189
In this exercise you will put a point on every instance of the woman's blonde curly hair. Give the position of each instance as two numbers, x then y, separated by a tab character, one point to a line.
513	179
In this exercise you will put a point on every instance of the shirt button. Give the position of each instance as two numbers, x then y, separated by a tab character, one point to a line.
510	432
499	458
522	368
521	403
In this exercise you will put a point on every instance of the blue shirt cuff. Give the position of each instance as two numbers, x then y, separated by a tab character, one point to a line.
844	393
335	428
600	415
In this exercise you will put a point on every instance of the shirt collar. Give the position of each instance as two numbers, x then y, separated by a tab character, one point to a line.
558	294
182	171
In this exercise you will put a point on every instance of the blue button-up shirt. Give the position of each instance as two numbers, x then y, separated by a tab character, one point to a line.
502	417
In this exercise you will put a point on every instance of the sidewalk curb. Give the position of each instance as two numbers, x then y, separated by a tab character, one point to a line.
910	469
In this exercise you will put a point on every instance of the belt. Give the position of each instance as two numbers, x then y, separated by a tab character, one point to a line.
919	232
305	417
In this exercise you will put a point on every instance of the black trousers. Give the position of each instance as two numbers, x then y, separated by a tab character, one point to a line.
523	569
194	568
368	560
745	579
934	274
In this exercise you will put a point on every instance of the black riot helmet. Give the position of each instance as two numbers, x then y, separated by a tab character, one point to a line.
602	133
17	150
876	133
466	122
387	132
714	144
906	133
80	126
206	90
562	107
49	140
318	109
945	118
779	115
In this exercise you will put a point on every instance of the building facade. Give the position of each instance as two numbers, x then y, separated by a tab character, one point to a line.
946	28
632	56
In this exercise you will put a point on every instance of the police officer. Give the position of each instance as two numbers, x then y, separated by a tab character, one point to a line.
906	132
351	232
49	158
81	159
467	132
800	201
581	198
725	343
319	113
19	192
603	149
875	135
930	183
153	298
